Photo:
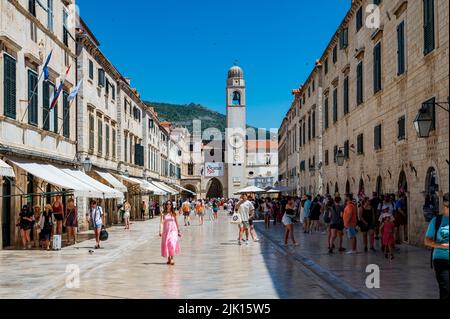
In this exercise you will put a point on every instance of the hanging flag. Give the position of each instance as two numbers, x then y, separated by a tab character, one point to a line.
45	70
74	92
58	92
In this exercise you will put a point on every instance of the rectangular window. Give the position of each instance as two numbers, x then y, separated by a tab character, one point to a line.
47	90
347	149
359	19
91	132
335	151
309	127
314	85
431	109
300	135
313	119
346	89
91	69
401	62
360	144
335	106
377	137
32	7
100	136
32	98
101	78
335	54
401	123
304	133
191	147
428	26
359	84
327	160
326	66
9	86
343	39
126	149
50	15
326	115
107	145
66	115
65	28
377	68
113	136
309	92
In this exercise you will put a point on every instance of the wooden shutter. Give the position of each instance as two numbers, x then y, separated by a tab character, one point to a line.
335	106
66	115
326	114
359	83
33	98
377	68
10	86
346	106
401	48
428	26
46	106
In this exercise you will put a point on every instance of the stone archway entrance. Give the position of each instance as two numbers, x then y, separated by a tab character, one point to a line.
215	189
336	188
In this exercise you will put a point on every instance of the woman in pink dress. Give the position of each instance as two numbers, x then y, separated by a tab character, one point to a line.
169	233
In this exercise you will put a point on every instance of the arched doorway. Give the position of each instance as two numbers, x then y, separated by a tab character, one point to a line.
403	204
328	189
431	189
361	190
336	188
347	187
402	183
215	189
379	186
6	213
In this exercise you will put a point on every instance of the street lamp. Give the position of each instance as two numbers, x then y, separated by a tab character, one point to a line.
87	164
340	157
423	121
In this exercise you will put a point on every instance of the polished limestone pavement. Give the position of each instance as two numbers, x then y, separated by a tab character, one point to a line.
211	265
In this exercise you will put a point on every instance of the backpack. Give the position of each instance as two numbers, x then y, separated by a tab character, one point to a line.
186	208
437	225
327	217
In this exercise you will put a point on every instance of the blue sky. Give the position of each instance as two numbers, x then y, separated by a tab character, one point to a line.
179	51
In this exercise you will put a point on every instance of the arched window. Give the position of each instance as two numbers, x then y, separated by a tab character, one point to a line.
236	98
402	183
191	169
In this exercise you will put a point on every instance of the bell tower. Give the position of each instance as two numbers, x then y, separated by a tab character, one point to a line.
235	135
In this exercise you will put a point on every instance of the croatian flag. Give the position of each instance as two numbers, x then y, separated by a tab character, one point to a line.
58	92
45	70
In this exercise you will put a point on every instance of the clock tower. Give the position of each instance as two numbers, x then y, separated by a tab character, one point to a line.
235	134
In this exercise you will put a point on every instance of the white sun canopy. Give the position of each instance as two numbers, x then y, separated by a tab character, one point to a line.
251	189
184	189
107	192
146	186
6	170
114	182
57	177
165	187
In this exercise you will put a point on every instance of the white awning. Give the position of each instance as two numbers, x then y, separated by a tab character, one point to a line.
6	170
146	186
57	177
165	187
150	187
106	191
114	182
184	189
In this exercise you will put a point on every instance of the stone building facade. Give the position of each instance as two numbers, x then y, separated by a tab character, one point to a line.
362	98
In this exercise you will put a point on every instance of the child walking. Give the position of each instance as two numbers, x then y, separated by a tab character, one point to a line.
387	230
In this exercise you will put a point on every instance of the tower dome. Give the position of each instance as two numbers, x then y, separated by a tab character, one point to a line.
235	72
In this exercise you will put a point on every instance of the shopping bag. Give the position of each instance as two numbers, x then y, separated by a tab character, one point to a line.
56	242
236	218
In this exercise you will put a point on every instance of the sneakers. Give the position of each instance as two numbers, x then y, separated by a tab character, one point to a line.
351	252
330	251
246	242
239	242
256	240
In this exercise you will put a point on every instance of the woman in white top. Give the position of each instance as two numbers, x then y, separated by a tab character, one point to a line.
127	214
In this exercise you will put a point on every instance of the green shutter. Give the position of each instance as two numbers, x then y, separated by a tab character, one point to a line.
401	48
377	68
428	26
32	98
66	115
10	86
359	84
346	105
45	105
335	106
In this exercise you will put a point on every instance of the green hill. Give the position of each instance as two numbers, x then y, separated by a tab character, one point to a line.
183	115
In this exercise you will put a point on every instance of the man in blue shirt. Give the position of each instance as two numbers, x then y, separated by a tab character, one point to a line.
437	238
306	208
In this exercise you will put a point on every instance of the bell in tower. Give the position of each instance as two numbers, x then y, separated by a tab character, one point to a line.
236	98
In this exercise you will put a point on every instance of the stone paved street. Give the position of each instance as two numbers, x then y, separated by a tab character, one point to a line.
211	265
